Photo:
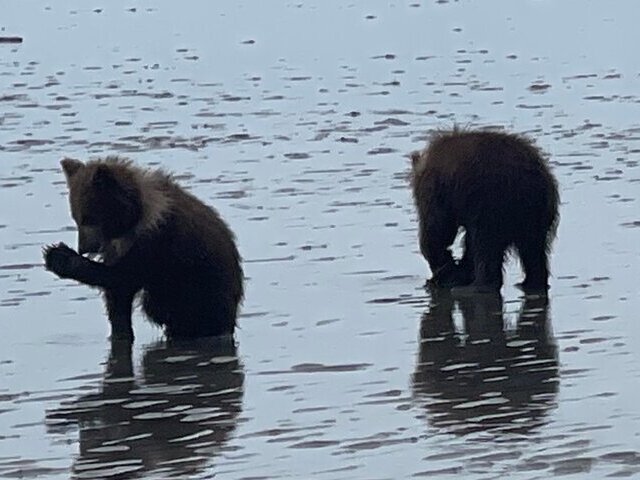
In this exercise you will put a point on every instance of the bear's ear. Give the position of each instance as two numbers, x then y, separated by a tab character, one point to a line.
415	158
70	167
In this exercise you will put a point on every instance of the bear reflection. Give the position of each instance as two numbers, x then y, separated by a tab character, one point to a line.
170	420
485	375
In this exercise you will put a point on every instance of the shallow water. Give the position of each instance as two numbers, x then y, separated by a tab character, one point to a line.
294	120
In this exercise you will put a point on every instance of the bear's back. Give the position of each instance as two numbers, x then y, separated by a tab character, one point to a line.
493	175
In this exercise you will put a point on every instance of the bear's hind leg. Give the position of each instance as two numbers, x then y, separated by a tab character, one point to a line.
535	263
465	274
487	251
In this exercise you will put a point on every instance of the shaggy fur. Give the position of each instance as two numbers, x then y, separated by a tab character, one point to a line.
153	237
499	188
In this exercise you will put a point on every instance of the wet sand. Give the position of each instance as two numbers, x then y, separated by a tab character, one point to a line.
294	121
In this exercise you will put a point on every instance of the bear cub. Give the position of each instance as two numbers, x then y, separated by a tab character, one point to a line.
153	238
496	186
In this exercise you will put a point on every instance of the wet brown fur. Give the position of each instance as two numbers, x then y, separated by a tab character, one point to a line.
498	187
155	238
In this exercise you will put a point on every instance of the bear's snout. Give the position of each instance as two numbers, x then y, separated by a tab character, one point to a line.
89	240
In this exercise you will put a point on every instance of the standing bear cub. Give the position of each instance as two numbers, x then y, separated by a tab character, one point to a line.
498	187
152	237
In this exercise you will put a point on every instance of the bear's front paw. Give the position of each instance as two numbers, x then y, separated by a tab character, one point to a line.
59	259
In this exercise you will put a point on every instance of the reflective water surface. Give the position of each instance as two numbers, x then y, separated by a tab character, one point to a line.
489	376
294	120
171	419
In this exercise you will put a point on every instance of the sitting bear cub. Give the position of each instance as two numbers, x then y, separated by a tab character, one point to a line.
155	238
498	187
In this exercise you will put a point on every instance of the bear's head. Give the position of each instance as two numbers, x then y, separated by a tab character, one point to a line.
106	203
